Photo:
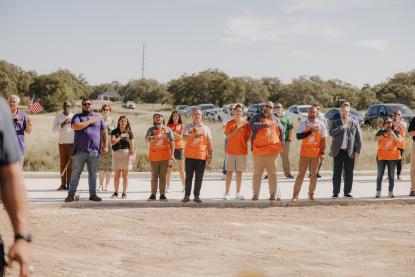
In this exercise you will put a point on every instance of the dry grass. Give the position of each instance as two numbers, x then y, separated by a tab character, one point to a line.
42	149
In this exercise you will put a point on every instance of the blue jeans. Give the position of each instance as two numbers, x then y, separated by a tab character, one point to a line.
78	162
391	174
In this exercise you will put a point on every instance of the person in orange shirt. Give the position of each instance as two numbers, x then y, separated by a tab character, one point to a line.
267	142
237	133
400	126
176	125
160	153
313	134
389	142
197	151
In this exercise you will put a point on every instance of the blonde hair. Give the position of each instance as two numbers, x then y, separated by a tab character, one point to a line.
14	98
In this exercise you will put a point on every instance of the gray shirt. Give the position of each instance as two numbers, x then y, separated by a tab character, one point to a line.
9	148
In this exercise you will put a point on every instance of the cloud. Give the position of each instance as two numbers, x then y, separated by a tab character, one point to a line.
292	6
302	54
377	44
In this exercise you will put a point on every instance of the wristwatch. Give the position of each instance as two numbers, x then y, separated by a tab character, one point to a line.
27	238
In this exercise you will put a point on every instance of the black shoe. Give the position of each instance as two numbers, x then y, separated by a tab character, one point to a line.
186	199
124	195
69	198
152	198
95	197
115	195
318	175
163	198
334	196
197	199
266	177
309	176
289	176
61	188
348	195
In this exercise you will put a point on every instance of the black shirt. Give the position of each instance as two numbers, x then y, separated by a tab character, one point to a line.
412	127
123	143
9	148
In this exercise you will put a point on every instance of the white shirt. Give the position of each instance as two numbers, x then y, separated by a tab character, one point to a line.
66	134
344	142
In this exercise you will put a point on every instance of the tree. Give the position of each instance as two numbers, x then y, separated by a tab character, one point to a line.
146	91
14	80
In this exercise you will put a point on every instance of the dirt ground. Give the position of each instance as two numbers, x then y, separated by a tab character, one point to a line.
292	241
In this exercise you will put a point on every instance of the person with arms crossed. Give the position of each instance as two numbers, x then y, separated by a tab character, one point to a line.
13	192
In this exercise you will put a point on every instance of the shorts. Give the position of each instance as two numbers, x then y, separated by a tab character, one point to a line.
178	154
235	162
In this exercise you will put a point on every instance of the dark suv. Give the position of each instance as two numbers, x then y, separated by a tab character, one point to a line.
253	109
381	111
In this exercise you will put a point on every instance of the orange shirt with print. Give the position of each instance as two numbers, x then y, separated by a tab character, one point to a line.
402	132
159	149
196	147
177	129
267	140
238	143
311	145
388	148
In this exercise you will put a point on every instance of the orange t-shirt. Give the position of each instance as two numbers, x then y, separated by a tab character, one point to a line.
311	145
388	149
177	129
197	147
159	149
267	140
237	144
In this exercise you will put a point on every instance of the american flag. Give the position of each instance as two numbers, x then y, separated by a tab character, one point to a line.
35	106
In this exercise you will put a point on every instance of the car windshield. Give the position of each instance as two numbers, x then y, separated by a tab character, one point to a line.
303	109
393	108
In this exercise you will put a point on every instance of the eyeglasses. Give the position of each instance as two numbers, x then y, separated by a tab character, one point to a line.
106	109
231	109
86	104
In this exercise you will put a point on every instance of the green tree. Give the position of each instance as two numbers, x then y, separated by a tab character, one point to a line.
146	91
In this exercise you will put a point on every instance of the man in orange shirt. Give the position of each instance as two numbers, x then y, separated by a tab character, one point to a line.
237	133
198	149
267	141
313	134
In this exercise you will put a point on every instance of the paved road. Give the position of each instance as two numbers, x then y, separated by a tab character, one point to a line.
42	189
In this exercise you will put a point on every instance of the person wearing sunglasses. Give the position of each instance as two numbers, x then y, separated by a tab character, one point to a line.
400	126
90	129
267	141
389	142
62	125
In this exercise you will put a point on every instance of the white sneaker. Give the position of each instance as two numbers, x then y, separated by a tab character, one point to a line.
378	194
226	196
390	194
239	197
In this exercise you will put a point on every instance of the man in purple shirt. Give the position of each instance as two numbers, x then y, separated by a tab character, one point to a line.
89	128
21	122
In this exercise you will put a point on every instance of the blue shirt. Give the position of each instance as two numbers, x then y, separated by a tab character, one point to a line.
89	138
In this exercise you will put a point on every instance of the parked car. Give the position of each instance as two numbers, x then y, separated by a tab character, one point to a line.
224	113
130	105
180	108
298	112
377	112
253	109
334	112
207	108
214	115
188	111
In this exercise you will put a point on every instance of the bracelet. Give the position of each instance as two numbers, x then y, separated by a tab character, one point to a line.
27	238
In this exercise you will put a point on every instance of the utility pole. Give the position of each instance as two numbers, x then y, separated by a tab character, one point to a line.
142	62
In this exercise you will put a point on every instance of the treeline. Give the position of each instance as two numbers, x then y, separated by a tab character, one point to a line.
210	86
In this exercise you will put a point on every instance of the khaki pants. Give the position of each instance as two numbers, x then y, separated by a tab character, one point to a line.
285	159
158	176
413	167
303	164
260	164
65	153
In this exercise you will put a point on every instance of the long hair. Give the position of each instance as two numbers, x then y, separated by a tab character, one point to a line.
171	118
128	127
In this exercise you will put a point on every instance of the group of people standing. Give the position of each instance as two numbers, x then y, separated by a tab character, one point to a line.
107	145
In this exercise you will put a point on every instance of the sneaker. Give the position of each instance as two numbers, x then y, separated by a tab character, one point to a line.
152	198
105	189
255	198
61	188
289	176
226	196
334	196
399	177
348	195
163	198
318	175
95	198
69	198
378	194
115	195
271	198
238	196
390	194
124	195
412	193
185	199
294	198
311	197
100	188
197	199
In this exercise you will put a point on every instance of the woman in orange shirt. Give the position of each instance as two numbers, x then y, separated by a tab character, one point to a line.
176	125
389	142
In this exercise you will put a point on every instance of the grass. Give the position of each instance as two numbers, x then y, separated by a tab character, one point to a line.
42	149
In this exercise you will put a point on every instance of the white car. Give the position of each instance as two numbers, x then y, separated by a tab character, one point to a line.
130	105
298	112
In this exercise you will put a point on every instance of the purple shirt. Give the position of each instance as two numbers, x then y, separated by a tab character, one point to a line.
19	126
88	139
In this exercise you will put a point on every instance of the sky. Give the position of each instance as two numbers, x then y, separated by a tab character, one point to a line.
356	41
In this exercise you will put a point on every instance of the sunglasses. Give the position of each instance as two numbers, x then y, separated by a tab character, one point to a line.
86	104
